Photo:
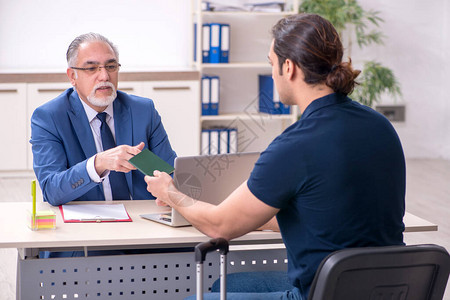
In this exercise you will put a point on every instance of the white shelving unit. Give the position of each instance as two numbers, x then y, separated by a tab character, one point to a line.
250	40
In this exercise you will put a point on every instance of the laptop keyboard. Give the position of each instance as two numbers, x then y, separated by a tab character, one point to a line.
166	217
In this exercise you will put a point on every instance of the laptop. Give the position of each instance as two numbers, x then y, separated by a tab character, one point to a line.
208	178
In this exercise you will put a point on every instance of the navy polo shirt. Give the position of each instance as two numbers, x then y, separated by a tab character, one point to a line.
338	177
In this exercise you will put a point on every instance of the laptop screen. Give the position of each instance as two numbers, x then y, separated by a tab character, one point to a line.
212	178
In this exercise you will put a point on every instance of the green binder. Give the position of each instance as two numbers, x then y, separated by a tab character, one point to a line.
147	162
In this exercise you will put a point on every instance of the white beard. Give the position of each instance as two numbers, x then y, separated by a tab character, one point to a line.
102	102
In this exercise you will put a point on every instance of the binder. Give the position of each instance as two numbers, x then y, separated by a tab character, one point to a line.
269	100
276	96
205	95
224	43
214	52
215	95
206	6
223	141
205	142
206	42
215	42
213	142
232	140
219	141
265	93
284	109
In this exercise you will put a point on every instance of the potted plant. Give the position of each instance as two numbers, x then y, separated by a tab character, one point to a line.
352	22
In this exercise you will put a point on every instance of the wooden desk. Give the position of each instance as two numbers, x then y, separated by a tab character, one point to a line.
139	276
415	224
169	275
14	232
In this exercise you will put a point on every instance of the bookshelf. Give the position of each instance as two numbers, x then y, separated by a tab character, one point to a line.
250	40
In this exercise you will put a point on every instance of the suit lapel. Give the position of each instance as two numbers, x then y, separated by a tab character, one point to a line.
123	127
81	126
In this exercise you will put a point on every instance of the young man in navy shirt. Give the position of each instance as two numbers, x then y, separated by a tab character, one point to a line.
334	179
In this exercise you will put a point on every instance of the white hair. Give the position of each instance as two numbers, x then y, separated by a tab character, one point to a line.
72	51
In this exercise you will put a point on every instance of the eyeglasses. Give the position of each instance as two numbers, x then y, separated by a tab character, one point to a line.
110	68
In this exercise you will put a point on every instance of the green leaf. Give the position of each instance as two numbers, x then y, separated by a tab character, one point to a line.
375	80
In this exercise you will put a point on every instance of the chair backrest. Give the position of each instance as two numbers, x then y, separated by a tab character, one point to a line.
380	273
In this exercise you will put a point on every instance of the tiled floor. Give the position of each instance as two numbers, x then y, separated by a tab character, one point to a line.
428	196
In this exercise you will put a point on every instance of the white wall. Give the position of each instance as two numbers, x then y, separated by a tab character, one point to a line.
417	49
34	35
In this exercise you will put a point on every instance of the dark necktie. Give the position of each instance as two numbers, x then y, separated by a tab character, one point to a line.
117	180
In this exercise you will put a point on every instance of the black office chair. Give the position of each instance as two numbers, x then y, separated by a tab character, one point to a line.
417	272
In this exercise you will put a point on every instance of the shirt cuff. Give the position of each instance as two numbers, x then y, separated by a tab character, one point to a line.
90	168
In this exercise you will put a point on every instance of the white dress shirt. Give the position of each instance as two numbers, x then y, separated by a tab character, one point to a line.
95	127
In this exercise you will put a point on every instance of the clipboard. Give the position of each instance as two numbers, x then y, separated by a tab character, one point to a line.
94	213
146	161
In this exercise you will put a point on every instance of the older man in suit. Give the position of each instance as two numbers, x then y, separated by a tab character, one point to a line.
82	139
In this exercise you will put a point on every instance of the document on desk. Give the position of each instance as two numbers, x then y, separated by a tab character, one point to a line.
96	213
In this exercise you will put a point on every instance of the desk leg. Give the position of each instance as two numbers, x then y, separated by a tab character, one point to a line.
18	277
28	253
22	254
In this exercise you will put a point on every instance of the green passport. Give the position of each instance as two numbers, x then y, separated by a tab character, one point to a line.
147	162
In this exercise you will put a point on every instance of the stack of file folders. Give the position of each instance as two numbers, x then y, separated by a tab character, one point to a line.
219	141
210	95
269	100
215	43
243	5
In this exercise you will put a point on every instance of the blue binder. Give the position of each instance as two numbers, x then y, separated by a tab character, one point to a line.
206	95
206	6
213	141
214	99
269	101
214	52
224	140
219	140
205	142
232	140
206	42
224	43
